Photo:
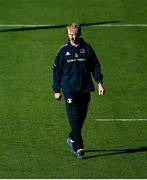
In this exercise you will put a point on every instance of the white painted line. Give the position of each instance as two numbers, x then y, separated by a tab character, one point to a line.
121	25
49	25
121	119
25	25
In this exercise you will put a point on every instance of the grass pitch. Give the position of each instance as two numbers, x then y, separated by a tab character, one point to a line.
34	127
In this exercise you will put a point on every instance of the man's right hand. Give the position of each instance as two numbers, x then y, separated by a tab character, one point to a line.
57	96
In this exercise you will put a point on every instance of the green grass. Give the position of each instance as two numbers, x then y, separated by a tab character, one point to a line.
33	126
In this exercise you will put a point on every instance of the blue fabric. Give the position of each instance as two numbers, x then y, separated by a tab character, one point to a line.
74	67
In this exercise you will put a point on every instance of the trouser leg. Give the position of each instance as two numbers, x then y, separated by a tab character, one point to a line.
83	107
77	106
83	102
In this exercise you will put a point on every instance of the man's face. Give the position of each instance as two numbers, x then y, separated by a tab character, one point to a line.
73	35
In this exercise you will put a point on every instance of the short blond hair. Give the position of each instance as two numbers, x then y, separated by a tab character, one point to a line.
75	28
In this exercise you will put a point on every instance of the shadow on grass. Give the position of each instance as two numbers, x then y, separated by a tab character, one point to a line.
39	27
114	152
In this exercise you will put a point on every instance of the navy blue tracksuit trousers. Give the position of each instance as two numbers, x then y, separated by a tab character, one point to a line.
77	107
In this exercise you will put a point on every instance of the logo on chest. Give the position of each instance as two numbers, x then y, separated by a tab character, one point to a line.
76	55
82	51
67	53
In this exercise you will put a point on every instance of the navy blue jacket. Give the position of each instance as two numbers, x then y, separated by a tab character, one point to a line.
74	67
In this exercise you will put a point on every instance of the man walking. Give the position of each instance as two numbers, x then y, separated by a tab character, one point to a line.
74	66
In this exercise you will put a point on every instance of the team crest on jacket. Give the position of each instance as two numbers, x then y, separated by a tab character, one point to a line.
82	51
76	55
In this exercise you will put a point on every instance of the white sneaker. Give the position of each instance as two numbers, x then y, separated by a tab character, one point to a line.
80	154
70	144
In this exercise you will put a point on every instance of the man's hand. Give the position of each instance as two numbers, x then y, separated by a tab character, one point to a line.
57	96
100	89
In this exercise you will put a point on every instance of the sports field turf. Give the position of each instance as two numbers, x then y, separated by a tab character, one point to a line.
34	127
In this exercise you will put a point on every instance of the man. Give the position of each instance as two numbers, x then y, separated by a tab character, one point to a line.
74	66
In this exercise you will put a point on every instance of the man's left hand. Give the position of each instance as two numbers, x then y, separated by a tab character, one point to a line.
100	89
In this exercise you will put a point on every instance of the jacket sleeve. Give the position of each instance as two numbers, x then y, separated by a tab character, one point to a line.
95	66
57	72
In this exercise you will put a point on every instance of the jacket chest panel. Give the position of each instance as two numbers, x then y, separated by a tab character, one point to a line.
76	55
